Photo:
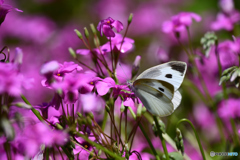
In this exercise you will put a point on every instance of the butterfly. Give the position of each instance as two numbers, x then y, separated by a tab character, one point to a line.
157	87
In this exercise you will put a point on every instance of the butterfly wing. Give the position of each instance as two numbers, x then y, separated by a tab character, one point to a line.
155	95
172	72
177	97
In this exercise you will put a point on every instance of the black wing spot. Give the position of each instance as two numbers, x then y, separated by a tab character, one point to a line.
180	67
161	89
168	76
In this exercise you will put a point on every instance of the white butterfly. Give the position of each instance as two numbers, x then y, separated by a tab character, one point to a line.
157	87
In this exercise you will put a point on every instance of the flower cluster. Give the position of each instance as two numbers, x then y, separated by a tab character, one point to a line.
85	105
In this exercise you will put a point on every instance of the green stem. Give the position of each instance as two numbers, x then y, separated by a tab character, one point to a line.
195	132
98	146
104	120
161	138
220	71
36	112
235	133
47	153
149	142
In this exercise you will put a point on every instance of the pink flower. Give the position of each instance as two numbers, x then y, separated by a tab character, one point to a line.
105	27
11	81
4	9
225	21
180	21
91	102
125	46
229	108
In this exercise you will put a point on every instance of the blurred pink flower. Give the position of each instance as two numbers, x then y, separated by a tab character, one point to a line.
79	151
226	5
229	108
91	102
105	27
226	21
4	9
11	81
30	139
179	22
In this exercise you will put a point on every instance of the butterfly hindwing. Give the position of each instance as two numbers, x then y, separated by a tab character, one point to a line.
164	87
171	72
176	99
153	99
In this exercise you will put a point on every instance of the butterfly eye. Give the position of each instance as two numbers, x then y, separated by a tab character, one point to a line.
168	75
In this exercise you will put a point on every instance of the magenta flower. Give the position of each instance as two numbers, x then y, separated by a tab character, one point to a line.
229	108
180	21
4	9
226	21
125	46
105	27
30	138
67	67
11	81
91	102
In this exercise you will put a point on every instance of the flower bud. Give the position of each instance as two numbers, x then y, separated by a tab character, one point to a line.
90	114
161	125
58	126
139	110
18	57
79	34
135	66
122	108
89	121
179	141
93	29
72	52
144	110
130	18
79	115
96	41
86	33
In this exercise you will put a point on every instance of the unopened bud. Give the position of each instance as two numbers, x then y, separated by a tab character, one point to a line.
79	34
96	41
89	120
122	108
86	33
139	110
130	18
136	65
72	52
79	115
93	29
90	114
179	141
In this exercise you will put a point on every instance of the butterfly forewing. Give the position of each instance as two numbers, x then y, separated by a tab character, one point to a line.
171	72
154	100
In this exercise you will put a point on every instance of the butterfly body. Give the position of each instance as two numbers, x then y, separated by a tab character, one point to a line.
157	87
